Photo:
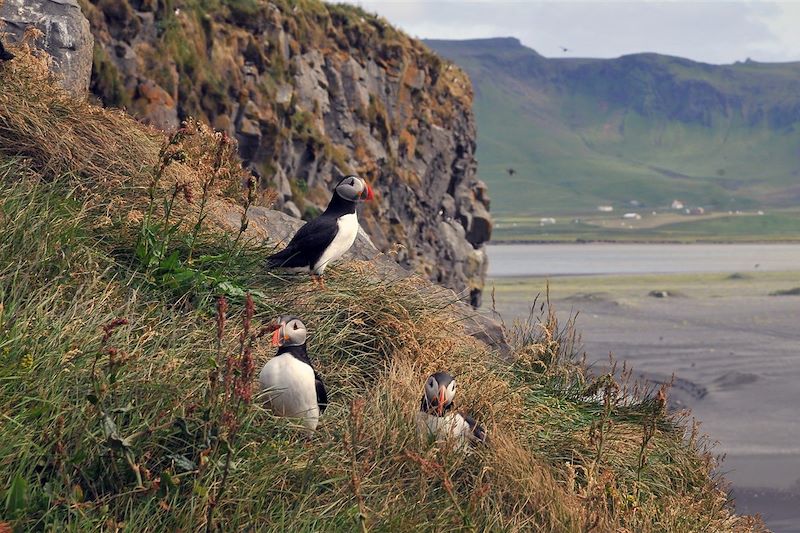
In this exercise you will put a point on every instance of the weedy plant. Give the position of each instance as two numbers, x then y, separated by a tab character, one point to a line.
237	393
125	394
164	247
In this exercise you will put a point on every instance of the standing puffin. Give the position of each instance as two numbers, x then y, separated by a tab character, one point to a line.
330	235
291	386
436	417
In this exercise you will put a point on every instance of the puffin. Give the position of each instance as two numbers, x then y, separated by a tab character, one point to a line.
436	416
330	235
291	387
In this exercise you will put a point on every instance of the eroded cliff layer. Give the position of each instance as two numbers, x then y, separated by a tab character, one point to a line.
312	92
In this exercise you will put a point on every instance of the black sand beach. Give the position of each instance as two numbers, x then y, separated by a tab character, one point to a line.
732	347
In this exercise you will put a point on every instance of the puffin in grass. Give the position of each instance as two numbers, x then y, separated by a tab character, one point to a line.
290	385
437	418
326	238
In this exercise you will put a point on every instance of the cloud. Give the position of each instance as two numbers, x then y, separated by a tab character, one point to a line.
711	31
784	24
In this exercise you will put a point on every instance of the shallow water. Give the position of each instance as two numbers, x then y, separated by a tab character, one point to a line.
600	258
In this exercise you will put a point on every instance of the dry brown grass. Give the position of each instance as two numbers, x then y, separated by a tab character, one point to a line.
111	156
58	134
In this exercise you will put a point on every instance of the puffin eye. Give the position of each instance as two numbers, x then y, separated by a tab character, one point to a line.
295	326
352	181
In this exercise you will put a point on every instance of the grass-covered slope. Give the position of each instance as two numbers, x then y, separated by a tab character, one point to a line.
126	392
645	127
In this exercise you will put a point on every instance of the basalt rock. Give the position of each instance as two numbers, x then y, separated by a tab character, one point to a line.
313	92
65	36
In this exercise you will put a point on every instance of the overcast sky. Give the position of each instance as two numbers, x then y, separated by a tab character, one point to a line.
710	31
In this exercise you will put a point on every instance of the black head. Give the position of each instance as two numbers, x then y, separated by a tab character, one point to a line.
289	331
353	189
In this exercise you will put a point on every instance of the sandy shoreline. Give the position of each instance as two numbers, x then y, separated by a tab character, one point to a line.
733	347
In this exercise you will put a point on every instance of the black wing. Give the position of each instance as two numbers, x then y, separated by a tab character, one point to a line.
307	245
322	394
478	432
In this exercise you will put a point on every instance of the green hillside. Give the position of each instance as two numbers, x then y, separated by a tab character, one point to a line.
645	128
134	315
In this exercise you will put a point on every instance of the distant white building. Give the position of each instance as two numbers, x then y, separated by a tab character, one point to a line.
677	204
546	221
605	208
632	216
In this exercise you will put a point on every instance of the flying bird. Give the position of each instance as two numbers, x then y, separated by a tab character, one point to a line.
436	416
5	55
330	235
291	386
511	171
564	49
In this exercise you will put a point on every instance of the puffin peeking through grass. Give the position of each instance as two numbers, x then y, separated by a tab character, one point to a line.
330	235
291	386
437	418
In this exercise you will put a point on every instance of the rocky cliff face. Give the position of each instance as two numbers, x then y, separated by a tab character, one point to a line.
63	33
313	92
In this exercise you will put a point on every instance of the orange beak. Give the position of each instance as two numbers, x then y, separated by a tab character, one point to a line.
440	405
276	336
370	194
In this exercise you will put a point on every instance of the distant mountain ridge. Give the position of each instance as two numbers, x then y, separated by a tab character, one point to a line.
645	127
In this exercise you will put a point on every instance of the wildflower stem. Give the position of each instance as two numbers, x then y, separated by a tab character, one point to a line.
218	159
168	233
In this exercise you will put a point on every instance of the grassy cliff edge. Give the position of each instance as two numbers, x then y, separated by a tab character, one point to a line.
124	396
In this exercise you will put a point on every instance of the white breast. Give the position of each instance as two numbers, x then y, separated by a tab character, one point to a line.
344	239
451	426
290	390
